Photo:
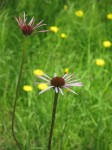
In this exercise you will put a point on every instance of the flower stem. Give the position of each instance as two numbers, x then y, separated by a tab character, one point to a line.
15	99
53	119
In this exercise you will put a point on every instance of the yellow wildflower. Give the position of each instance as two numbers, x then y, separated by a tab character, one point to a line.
109	16
38	72
42	86
54	29
27	88
63	36
107	44
65	7
66	70
100	62
79	13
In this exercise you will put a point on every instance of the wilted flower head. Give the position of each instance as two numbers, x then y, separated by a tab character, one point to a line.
28	29
58	83
27	88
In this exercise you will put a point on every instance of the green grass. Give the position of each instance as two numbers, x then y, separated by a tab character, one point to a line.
83	122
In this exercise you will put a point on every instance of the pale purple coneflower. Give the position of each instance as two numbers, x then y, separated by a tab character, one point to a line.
58	83
29	28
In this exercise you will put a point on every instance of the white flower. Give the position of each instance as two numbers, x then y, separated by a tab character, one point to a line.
58	83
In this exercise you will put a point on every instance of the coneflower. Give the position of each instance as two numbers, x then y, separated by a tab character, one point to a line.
29	28
58	84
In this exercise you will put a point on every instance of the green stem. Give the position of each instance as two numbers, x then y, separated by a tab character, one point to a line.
15	99
53	119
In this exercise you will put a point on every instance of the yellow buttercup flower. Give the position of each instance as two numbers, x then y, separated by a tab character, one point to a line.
54	29
27	88
107	44
100	62
42	86
63	36
109	16
66	70
79	13
65	7
38	72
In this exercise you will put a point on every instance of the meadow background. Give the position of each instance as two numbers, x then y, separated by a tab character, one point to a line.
83	122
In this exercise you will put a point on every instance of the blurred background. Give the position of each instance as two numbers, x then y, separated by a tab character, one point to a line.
79	42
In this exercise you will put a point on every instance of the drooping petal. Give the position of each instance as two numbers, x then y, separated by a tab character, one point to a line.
20	20
43	31
72	81
33	23
38	24
17	20
43	78
45	89
74	84
64	76
47	76
24	17
55	75
70	90
56	89
68	77
25	21
41	25
61	91
41	82
30	23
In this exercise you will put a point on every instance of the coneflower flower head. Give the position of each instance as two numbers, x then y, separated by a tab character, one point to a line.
28	29
58	83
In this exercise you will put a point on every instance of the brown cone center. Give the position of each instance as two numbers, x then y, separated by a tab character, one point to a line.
27	30
57	82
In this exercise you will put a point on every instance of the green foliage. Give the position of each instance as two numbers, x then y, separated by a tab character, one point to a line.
83	122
